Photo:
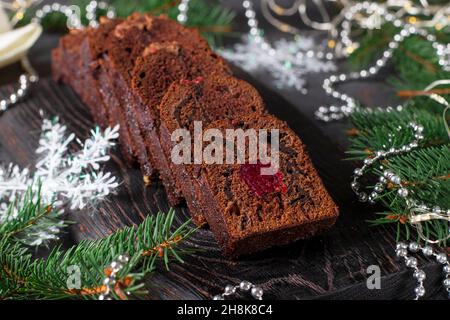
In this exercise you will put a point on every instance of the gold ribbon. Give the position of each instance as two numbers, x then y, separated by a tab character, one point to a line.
440	99
424	215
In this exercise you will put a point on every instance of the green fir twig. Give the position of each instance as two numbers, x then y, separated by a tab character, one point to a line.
426	170
22	277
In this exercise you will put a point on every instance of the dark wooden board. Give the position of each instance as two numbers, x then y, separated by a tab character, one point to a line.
329	266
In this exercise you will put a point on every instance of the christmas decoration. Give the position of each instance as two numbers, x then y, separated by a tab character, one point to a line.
212	21
14	45
244	286
406	30
413	178
61	178
287	61
402	250
108	268
210	17
345	26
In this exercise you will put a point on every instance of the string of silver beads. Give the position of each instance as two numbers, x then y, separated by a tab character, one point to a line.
183	8
93	7
402	250
335	112
256	35
387	175
73	13
110	280
245	287
25	80
73	17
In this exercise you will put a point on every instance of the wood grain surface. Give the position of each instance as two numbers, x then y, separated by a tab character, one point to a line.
329	266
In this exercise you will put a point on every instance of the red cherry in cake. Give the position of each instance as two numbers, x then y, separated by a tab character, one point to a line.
261	184
197	80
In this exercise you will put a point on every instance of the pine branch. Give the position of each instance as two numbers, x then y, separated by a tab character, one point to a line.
378	130
425	171
31	223
22	277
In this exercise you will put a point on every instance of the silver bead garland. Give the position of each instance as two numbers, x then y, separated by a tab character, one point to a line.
418	212
25	80
257	36
110	280
245	287
387	176
402	250
73	16
333	113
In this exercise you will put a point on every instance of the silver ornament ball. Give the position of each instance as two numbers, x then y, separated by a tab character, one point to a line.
446	283
401	245
245	285
441	258
413	247
363	197
401	252
446	269
420	291
403	192
257	292
411	262
229	290
427	251
419	275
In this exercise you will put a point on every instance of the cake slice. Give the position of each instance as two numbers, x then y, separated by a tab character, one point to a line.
91	50
159	66
205	100
66	60
75	62
124	45
248	211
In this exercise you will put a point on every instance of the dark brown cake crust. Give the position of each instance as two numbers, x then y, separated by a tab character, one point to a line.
66	61
244	222
158	67
207	100
125	44
92	49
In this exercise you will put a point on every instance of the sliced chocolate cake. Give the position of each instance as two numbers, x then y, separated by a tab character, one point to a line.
154	76
124	45
249	211
158	67
204	100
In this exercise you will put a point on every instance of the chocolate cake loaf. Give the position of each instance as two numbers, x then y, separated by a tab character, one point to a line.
66	60
153	76
91	50
206	100
248	211
124	45
75	62
156	69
